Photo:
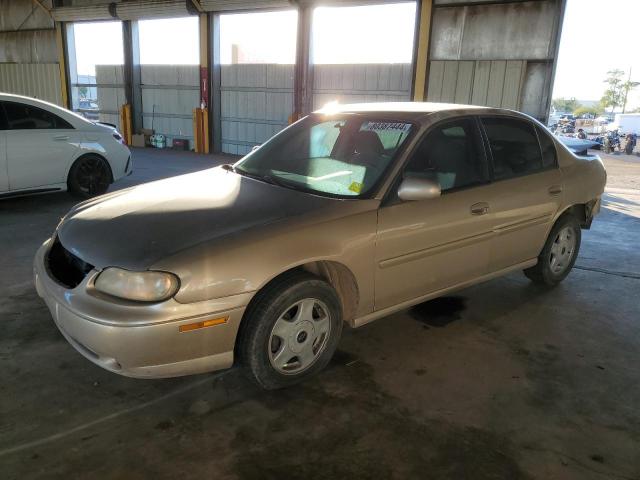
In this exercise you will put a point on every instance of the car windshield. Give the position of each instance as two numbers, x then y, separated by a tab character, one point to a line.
343	155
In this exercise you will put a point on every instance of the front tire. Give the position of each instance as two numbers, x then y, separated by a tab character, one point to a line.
559	253
89	176
290	331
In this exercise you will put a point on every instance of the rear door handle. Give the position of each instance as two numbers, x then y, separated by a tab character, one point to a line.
61	137
479	208
555	190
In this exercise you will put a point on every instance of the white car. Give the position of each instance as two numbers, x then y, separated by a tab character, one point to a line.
45	148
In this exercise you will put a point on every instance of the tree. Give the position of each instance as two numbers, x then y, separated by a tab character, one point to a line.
614	94
595	110
83	92
565	105
626	88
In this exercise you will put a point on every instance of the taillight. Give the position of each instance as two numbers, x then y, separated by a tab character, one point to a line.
118	137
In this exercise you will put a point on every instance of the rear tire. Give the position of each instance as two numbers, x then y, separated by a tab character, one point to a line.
90	175
290	330
559	253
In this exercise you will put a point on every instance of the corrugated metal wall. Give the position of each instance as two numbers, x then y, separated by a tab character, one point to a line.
257	100
498	55
495	83
111	96
28	47
38	80
28	53
175	92
361	83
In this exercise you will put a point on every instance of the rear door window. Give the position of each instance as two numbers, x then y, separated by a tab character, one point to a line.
549	154
3	119
21	116
514	147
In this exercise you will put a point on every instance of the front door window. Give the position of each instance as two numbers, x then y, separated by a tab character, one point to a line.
450	154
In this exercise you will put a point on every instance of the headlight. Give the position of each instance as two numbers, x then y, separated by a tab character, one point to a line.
138	286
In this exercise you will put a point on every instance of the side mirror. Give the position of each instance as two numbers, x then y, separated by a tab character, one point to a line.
415	188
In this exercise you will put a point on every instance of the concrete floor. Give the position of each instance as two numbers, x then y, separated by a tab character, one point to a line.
503	380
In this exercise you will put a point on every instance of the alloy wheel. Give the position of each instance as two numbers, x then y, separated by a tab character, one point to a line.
92	176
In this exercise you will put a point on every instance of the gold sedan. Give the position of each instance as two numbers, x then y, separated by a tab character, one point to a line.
348	215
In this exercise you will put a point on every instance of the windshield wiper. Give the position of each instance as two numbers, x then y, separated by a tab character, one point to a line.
271	179
276	181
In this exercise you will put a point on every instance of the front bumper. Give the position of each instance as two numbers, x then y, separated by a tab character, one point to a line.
141	341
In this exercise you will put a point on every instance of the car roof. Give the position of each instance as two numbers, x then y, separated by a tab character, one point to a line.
417	107
414	110
76	120
21	98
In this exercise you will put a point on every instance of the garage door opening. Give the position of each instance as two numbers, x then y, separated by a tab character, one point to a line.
170	77
96	58
257	53
363	53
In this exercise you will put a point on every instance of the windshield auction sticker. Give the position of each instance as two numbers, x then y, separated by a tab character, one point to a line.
385	127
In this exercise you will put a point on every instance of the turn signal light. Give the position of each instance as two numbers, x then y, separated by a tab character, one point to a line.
203	324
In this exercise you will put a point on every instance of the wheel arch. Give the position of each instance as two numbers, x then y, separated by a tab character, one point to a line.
89	154
336	274
582	212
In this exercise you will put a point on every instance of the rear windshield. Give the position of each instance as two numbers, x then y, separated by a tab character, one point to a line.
343	155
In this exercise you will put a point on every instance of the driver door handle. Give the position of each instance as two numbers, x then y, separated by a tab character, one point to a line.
555	190
481	208
61	137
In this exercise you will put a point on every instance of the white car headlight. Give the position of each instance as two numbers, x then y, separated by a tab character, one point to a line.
146	286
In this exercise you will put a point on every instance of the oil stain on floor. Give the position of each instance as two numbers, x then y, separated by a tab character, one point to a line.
440	312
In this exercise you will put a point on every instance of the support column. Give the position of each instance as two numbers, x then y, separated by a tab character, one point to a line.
132	75
63	55
303	76
554	48
201	134
421	56
215	111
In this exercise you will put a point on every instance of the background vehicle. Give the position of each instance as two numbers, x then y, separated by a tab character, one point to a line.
611	141
45	148
578	146
348	215
626	123
88	109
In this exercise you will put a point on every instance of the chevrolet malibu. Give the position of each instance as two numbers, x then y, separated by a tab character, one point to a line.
348	215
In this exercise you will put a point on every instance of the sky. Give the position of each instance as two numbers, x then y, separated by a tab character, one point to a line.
597	36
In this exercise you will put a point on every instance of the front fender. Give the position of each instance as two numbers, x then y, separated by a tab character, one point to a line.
247	261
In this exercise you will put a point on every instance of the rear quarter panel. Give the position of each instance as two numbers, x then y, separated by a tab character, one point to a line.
584	179
103	144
